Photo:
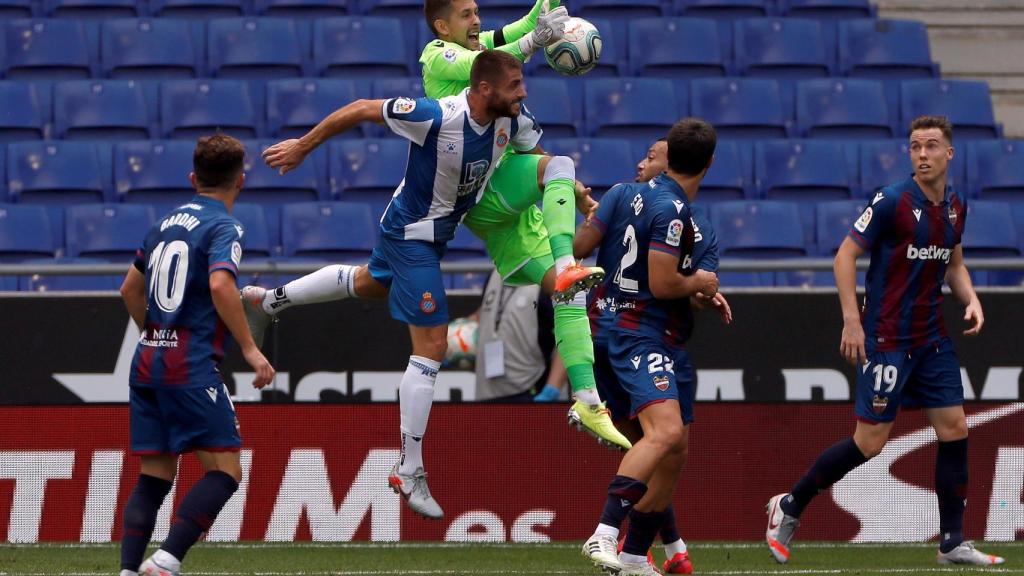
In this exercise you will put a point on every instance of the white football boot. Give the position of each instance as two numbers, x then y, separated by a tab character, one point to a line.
413	489
780	529
602	551
966	553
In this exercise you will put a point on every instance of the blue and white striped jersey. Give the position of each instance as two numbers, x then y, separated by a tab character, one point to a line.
451	158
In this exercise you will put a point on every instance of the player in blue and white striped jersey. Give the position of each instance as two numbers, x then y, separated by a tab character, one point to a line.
455	144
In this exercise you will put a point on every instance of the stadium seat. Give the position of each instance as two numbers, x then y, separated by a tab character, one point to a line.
834	221
826	9
153	172
68	282
780	48
196	9
351	47
965	102
730	176
91	9
147	49
25	233
600	162
265	185
995	169
722	10
335	231
618	10
808	170
990	231
408	86
676	48
254	48
10	9
842	108
885	49
740	107
304	8
111	232
630	107
551	103
100	110
39	49
612	62
366	171
505	11
256	240
297	104
57	172
407	10
762	229
191	108
24	115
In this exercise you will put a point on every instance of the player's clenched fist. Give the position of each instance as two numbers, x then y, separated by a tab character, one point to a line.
285	155
708	282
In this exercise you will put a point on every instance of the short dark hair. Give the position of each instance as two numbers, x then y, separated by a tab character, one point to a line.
434	9
940	122
491	66
217	160
691	144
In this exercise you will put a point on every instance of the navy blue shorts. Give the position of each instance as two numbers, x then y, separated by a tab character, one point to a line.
411	269
647	372
172	421
925	377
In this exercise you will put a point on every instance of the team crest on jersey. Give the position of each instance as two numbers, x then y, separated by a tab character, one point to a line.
879	403
427	304
862	223
661	382
236	253
952	215
403	105
450	55
675	233
501	139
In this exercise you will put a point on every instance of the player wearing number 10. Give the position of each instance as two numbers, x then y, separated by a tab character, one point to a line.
181	292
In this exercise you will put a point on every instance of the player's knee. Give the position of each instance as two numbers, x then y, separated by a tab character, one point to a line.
366	286
669	437
872	446
559	168
435	346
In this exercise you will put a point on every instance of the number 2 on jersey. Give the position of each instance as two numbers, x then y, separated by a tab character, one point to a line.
628	259
168	269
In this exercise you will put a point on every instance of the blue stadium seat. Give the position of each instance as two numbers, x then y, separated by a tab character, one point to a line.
730	175
886	49
740	107
191	108
965	102
265	185
676	47
618	9
25	233
196	9
834	221
724	10
630	107
304	8
551	103
826	9
335	231
111	232
366	171
780	48
842	108
148	49
612	62
257	240
153	172
297	104
351	47
100	110
10	9
24	115
91	9
54	172
600	162
410	86
761	229
990	231
805	170
504	11
47	50
995	169
254	48
68	282
407	10
465	246
1017	208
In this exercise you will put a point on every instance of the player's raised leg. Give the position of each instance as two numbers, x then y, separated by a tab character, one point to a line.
557	177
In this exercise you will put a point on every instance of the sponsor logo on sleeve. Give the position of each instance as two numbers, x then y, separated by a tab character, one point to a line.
450	55
862	223
675	233
236	253
403	105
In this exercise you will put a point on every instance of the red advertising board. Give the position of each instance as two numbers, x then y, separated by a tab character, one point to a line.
501	473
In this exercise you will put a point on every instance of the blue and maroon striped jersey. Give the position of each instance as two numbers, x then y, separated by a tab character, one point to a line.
183	337
911	241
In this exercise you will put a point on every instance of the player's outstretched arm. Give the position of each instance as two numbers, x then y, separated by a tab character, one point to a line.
224	292
844	267
133	292
516	30
959	281
286	155
668	284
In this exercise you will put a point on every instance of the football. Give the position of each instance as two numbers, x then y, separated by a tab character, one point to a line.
578	51
461	354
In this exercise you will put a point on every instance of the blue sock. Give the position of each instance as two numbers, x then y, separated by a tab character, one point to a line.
669	532
623	493
951	488
140	518
643	527
831	465
198	511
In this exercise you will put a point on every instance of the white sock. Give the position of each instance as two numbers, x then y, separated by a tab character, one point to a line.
562	263
333	282
167	560
588	396
673	548
128	573
606	530
632	558
415	397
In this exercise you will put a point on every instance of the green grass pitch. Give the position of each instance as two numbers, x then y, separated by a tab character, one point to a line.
257	558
